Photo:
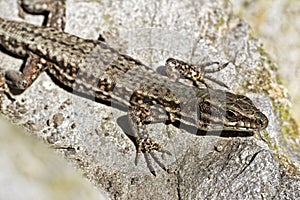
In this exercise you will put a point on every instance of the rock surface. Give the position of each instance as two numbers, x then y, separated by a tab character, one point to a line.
88	133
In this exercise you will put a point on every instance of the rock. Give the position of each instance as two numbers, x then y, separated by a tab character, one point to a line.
204	166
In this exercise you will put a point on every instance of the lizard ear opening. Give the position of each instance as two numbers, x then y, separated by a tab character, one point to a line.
205	106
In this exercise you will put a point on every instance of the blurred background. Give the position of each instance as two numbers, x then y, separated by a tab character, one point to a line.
31	170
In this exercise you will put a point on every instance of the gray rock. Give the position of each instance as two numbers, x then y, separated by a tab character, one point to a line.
88	133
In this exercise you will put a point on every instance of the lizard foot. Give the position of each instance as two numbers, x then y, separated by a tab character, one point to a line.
148	148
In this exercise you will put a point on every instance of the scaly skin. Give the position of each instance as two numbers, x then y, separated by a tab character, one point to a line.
93	69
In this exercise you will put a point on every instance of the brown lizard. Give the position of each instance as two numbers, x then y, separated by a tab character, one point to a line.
93	69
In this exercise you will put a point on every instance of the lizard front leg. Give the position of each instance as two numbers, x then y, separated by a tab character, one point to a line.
196	73
147	107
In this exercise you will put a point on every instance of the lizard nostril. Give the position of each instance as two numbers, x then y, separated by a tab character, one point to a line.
261	119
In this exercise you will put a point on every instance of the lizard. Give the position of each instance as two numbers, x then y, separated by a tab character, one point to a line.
91	68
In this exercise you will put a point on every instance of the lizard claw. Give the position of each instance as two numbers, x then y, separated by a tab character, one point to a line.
148	148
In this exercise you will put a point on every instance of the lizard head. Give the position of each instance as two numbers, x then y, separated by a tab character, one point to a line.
219	110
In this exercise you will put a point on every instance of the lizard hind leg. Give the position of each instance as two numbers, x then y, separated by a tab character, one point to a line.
13	81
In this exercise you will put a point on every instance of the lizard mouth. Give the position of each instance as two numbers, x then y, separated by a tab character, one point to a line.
258	122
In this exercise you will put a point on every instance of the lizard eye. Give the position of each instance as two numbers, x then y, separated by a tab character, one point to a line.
230	115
